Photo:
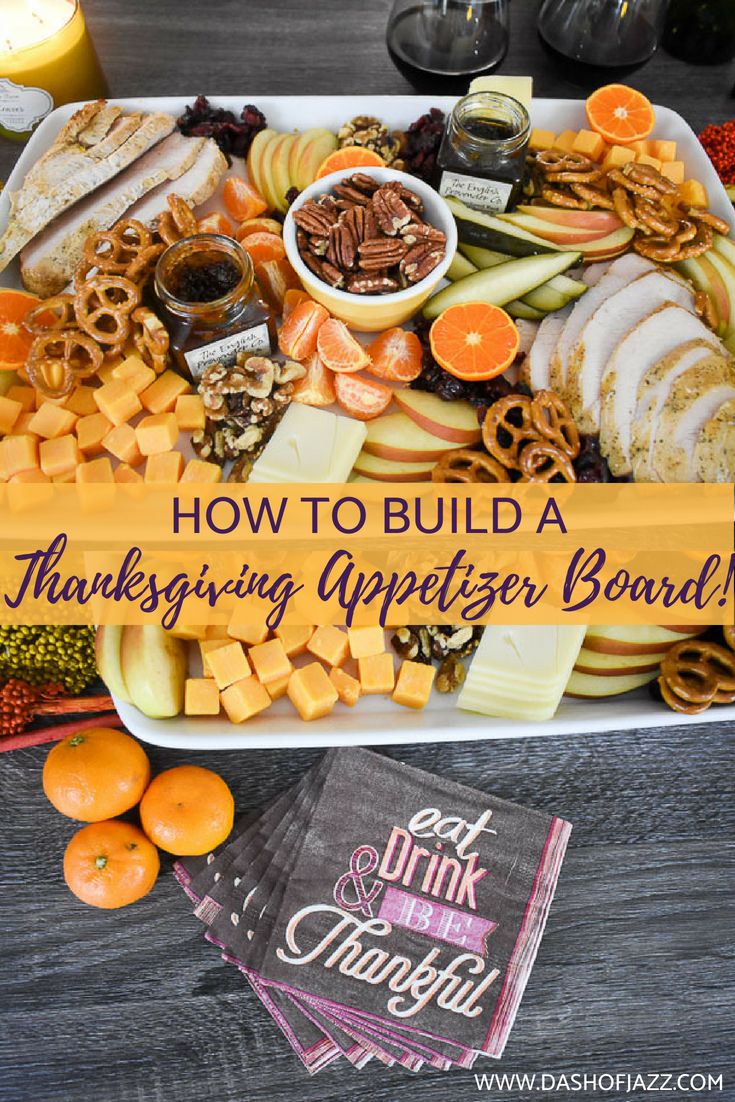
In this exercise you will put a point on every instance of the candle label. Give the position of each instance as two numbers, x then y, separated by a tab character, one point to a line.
21	107
475	191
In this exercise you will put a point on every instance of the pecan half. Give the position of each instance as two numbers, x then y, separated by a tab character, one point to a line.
390	210
372	284
381	253
314	219
420	260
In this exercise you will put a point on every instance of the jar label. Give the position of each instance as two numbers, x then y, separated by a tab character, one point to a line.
22	107
475	191
256	341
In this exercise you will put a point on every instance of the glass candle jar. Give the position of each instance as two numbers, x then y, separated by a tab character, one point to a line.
482	156
209	302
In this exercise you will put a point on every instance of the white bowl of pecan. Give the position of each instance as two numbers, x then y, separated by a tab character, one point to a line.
371	245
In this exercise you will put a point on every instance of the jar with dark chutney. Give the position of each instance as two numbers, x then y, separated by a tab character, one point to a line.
482	156
209	301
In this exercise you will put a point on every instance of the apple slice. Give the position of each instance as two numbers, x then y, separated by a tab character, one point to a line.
580	219
321	144
154	667
613	665
280	173
396	436
266	169
255	158
558	235
107	644
636	638
376	469
590	685
454	421
726	272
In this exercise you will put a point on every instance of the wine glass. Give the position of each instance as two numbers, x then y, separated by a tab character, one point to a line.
603	32
447	38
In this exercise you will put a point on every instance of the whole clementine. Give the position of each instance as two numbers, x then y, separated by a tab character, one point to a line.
96	774
110	864
187	810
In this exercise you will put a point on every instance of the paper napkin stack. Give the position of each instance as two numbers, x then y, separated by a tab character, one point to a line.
380	912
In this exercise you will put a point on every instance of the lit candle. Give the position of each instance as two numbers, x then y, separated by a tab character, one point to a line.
46	59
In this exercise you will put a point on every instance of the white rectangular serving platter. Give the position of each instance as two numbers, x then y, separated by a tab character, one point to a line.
377	720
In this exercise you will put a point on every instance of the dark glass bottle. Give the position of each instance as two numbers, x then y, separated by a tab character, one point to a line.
700	31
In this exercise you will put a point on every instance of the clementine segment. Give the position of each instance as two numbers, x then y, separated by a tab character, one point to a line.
258	225
187	810
363	399
316	388
275	278
292	299
339	350
620	114
349	157
474	340
397	356
300	331
216	222
15	340
96	774
241	199
110	864
264	246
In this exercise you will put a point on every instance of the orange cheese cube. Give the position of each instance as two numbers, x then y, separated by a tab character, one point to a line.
565	140
294	639
270	661
246	633
165	467
664	149
201	697
91	431
311	692
330	644
136	374
160	397
81	401
617	156
22	425
639	148
366	641
589	144
244	699
693	194
198	470
277	689
674	171
117	401
541	139
26	395
34	475
205	646
105	374
182	630
96	470
413	686
647	159
228	664
65	476
10	411
217	631
157	433
18	453
124	473
376	673
189	411
59	455
122	442
348	688
51	420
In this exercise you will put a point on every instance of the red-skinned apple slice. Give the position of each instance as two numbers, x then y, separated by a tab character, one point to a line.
602	664
395	436
558	235
453	421
636	638
377	469
592	686
579	219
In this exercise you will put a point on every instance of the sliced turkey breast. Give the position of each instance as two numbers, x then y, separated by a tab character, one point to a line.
714	453
618	274
593	273
612	320
72	168
653	393
49	261
537	365
695	398
196	185
651	340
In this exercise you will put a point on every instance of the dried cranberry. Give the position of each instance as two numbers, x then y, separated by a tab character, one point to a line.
202	120
421	144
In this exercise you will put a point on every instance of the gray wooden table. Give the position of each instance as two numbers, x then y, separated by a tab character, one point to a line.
635	972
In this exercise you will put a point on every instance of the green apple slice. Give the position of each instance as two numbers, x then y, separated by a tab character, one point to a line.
322	143
255	158
280	174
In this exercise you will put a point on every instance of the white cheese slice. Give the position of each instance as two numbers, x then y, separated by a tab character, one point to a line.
310	445
520	88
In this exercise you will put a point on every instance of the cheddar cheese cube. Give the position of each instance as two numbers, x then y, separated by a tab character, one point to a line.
647	159
183	630
217	631
294	639
664	149
105	374
277	689
413	685
160	397
366	641
270	661
136	374
565	140
693	194
201	697
200	471
311	692
23	425
541	139
157	433
246	633
10	411
122	442
205	646
18	452
244	699
96	470
376	673
51	420
228	664
589	144
65	477
165	467
674	171
91	431
189	411
26	395
330	644
81	401
348	687
617	156
117	401
59	455
34	475
125	474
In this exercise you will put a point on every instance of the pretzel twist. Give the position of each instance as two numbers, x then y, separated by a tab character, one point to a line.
59	358
543	462
61	309
508	425
467	465
696	673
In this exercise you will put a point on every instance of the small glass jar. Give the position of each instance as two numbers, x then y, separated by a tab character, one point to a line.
482	156
209	302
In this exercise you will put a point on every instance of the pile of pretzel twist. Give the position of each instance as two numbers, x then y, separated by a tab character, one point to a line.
697	673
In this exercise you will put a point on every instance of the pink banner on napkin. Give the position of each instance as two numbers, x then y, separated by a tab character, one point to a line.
436	920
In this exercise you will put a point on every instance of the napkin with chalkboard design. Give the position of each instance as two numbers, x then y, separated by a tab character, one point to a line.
380	912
